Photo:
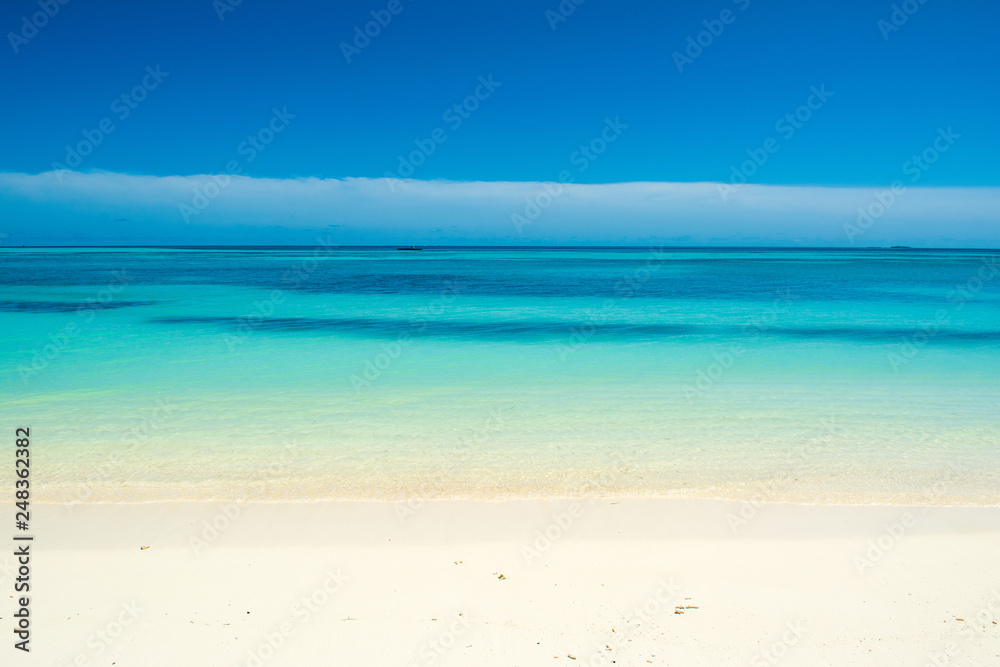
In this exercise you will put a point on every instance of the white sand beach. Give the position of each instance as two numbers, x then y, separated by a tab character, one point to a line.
630	582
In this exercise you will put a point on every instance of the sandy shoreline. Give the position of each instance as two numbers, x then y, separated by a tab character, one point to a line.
420	584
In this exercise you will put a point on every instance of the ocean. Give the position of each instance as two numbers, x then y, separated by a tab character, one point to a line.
324	373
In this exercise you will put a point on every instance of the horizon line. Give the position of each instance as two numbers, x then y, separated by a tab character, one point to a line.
504	181
509	247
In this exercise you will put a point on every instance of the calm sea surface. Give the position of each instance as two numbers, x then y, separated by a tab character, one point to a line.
827	376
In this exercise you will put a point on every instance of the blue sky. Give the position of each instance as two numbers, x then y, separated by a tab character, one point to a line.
887	93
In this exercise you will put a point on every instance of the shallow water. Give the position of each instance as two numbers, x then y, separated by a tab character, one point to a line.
828	376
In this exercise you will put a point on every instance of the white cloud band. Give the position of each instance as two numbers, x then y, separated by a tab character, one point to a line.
100	207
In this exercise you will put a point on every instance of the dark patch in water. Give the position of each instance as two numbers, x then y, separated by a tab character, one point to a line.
66	306
370	327
459	329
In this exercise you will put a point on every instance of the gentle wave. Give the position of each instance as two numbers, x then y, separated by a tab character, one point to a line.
511	330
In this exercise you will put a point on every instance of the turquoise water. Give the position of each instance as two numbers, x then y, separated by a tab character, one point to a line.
828	376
